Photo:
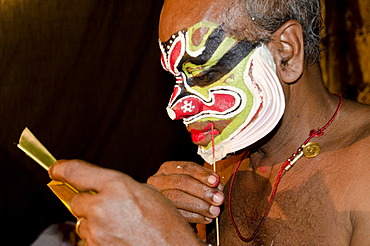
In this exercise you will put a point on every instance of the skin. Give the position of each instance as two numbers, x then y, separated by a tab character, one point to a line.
122	211
320	201
315	204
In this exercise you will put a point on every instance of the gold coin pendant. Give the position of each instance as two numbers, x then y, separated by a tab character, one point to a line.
311	149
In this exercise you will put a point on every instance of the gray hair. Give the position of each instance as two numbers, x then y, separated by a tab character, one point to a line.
259	19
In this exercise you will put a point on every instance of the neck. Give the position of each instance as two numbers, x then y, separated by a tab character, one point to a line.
309	106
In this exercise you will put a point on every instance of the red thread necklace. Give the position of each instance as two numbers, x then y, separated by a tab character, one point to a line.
286	166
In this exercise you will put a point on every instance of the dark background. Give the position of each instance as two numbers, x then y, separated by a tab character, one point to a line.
85	77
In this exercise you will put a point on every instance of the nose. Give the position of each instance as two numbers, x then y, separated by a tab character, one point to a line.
185	108
183	105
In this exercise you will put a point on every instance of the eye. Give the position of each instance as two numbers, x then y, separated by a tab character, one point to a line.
208	77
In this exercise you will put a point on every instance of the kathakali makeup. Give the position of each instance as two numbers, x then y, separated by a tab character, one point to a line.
221	78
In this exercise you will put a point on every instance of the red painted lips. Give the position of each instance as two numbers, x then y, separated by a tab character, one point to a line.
199	135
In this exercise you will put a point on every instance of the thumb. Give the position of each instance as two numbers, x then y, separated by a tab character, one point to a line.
82	175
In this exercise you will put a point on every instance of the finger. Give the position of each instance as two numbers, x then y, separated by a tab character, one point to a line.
194	217
82	175
82	204
183	201
204	175
189	185
220	187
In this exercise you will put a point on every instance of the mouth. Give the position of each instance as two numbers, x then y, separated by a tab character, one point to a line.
198	136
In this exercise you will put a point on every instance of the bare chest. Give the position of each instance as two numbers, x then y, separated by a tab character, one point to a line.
305	211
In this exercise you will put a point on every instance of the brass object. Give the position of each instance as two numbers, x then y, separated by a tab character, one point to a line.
296	157
311	149
64	191
29	144
308	150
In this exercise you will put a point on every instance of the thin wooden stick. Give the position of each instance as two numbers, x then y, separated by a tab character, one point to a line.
215	170
217	222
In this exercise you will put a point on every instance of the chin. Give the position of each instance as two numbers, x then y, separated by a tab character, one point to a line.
201	143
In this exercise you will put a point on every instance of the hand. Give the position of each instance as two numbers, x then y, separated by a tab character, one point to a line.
123	211
195	190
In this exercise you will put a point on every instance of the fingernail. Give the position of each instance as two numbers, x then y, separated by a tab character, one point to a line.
218	197
220	186
208	219
214	210
212	180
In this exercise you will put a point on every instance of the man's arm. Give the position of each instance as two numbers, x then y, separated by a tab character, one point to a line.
360	212
359	193
123	211
361	228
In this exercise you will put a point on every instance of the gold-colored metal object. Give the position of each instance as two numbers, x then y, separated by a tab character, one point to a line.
296	157
78	223
311	149
64	191
308	150
30	145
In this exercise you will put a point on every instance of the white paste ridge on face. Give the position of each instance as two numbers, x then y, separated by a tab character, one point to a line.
264	116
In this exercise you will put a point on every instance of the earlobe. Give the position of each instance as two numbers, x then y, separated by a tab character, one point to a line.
287	47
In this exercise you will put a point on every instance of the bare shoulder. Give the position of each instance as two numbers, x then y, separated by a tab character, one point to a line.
353	141
354	161
357	190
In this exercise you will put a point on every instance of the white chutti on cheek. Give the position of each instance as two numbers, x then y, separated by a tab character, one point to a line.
260	71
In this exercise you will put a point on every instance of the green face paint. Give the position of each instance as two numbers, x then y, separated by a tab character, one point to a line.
215	79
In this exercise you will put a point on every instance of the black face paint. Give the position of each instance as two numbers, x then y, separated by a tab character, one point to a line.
225	64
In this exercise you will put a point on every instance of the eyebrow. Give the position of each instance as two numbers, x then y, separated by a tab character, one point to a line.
223	66
235	54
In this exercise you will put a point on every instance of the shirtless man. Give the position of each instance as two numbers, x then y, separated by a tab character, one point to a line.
248	85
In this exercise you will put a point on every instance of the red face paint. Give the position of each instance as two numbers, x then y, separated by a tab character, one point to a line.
171	58
192	105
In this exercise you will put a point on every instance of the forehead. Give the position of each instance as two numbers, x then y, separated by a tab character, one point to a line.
179	14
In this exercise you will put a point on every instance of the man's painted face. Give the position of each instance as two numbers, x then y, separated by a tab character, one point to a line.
215	81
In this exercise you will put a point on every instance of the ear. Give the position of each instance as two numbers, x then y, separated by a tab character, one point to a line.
287	47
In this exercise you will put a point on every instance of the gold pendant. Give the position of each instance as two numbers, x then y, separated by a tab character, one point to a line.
311	149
